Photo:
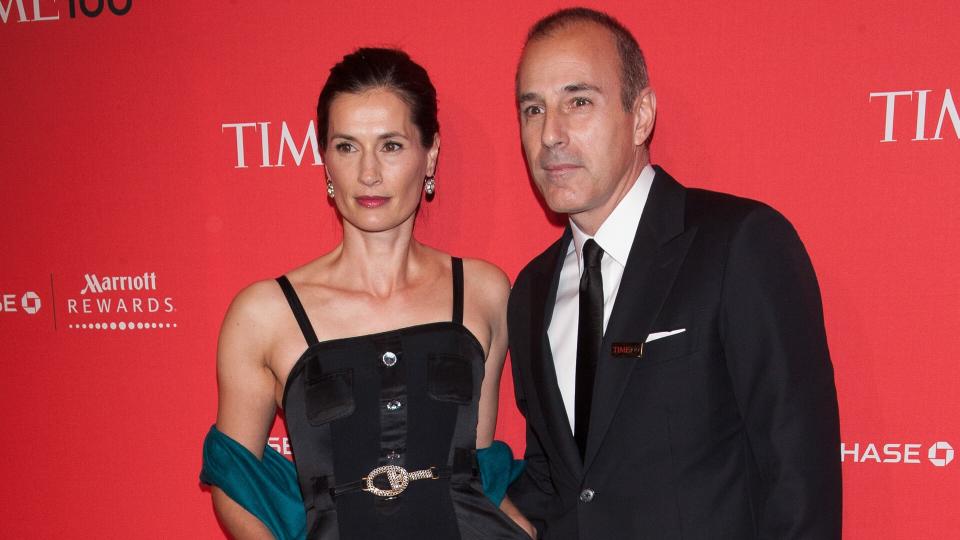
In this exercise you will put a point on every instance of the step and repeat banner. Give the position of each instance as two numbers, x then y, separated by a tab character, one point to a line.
159	156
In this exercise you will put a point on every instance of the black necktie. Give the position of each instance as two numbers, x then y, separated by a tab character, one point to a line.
589	336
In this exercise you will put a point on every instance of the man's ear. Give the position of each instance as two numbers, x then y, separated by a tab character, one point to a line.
644	114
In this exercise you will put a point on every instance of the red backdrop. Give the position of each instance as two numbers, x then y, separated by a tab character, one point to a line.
119	151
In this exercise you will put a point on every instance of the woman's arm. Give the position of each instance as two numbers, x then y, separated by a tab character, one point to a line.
491	289
494	286
246	406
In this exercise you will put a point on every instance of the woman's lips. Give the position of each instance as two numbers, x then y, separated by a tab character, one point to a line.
372	202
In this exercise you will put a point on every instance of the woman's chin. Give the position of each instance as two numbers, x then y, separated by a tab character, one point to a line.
377	224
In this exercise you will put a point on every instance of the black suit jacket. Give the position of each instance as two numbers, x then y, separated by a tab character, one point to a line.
728	430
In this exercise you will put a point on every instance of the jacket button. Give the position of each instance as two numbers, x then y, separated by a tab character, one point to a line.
394	405
587	495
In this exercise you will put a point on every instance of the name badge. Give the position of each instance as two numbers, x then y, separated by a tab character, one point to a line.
627	350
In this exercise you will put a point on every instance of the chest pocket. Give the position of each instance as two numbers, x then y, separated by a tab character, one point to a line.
329	396
678	345
450	378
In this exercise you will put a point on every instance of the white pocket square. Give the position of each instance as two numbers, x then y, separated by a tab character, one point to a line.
660	335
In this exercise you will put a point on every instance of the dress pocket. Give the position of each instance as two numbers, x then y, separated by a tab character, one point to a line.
450	378
329	397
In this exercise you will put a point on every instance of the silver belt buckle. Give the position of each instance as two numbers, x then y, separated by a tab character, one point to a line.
398	478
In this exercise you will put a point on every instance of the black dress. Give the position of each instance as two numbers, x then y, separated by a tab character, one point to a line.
406	398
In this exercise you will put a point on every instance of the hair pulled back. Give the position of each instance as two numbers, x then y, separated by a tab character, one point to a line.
370	68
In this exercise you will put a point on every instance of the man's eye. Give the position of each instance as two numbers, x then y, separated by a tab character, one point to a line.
344	148
580	102
392	146
532	110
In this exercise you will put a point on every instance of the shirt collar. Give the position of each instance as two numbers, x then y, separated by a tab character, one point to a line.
615	235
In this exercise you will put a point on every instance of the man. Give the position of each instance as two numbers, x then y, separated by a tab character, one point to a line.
668	350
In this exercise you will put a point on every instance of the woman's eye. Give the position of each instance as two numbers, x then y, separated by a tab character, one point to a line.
344	147
391	146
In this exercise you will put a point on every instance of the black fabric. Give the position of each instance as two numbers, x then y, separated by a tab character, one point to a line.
449	378
589	335
302	320
415	407
329	396
727	430
457	267
321	512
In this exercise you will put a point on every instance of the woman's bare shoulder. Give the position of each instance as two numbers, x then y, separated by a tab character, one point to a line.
486	273
265	299
486	278
260	300
254	315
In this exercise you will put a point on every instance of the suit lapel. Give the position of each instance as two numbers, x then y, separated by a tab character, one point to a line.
544	293
658	250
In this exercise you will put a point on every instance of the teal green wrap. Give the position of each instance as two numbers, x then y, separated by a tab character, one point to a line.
498	470
267	489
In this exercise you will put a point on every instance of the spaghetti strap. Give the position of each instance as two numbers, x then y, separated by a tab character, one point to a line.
298	310
457	264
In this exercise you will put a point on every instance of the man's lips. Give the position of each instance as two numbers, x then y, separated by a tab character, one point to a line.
559	169
371	201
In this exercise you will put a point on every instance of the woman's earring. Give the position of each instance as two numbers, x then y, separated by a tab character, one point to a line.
430	186
330	192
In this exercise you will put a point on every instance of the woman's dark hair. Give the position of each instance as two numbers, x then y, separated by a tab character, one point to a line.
388	69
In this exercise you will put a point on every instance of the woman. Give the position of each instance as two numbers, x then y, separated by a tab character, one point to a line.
404	345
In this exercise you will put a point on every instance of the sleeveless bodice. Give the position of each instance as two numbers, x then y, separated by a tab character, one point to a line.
407	397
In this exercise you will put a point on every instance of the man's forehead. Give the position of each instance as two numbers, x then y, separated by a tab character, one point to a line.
569	60
579	36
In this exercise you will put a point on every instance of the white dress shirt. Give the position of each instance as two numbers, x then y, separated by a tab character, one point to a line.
615	237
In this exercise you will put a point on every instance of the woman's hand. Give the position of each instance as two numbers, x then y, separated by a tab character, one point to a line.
514	513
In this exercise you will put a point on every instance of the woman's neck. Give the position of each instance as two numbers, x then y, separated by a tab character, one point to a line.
378	262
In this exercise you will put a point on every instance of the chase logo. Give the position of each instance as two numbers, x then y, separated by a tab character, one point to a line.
29	303
940	453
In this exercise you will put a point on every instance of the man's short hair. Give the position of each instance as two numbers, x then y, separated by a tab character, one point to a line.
633	68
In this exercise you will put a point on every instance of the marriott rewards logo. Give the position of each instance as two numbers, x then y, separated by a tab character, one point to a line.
120	302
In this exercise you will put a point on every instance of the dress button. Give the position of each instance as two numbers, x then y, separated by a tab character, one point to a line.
389	359
393	456
394	405
587	495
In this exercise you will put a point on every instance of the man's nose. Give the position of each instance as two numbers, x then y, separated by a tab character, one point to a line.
554	130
